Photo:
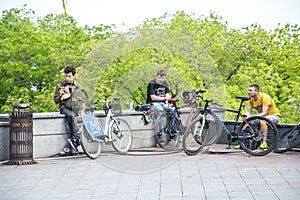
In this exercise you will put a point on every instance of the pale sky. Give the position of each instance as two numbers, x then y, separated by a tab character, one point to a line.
238	13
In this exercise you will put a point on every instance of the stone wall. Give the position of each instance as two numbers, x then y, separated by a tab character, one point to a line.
50	132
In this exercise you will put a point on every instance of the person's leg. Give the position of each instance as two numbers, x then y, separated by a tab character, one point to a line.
264	128
70	120
158	107
74	135
174	127
275	120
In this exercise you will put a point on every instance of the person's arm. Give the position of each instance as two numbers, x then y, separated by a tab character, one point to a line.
158	98
168	96
249	111
57	95
264	112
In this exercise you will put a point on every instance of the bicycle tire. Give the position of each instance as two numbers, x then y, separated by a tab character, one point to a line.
194	137
121	135
91	146
288	140
168	141
195	116
250	135
209	138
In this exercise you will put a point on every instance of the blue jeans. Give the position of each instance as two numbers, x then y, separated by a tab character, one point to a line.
70	121
159	107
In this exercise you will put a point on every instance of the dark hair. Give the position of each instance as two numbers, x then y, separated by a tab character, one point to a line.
69	69
255	86
161	72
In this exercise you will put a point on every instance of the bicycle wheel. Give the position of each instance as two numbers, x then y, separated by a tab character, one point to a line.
288	140
195	116
250	135
91	146
194	137
121	135
164	132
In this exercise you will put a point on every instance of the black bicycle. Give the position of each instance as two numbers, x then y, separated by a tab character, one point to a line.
288	140
249	133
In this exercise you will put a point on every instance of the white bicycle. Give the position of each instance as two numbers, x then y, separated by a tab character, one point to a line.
116	132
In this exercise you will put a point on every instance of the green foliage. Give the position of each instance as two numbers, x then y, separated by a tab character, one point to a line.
33	53
198	52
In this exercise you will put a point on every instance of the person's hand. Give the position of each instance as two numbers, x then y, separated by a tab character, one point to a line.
64	92
167	99
166	106
245	117
61	91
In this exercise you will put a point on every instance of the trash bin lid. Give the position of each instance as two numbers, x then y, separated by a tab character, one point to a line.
21	105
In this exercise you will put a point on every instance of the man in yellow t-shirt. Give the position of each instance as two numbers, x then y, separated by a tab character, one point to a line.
265	107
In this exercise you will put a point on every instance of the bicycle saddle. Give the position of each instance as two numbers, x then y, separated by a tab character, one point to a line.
243	98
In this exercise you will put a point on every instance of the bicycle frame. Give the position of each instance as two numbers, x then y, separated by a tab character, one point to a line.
108	123
256	135
116	131
94	127
209	110
195	109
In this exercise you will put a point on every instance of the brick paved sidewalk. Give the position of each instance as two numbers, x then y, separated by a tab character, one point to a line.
154	174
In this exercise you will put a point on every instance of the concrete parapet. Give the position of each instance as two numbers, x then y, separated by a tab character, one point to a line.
4	141
50	132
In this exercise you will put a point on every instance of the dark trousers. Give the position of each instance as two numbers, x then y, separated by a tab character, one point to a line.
70	120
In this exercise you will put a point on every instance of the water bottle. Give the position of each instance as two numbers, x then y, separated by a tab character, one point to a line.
131	106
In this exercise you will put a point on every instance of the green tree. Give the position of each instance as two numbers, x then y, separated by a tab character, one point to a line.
34	52
199	52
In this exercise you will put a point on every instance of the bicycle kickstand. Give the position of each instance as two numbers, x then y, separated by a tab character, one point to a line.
229	138
229	146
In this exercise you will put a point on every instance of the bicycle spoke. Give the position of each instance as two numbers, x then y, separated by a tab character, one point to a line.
194	137
251	136
121	136
91	146
164	132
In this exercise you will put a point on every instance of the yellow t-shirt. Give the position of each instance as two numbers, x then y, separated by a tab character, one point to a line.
264	100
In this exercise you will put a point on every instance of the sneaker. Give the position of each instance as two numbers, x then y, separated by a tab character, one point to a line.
263	145
173	134
78	143
160	138
74	143
237	146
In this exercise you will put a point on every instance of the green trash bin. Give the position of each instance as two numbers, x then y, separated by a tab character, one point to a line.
21	135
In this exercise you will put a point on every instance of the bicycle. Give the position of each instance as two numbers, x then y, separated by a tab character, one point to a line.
116	132
248	132
288	140
168	126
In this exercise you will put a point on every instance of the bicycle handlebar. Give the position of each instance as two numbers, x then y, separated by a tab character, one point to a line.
196	93
107	101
